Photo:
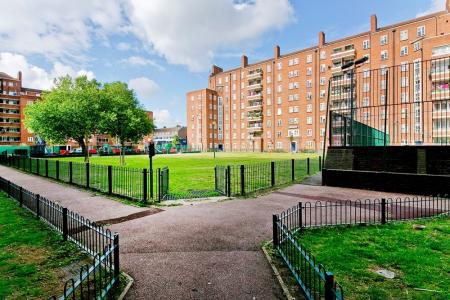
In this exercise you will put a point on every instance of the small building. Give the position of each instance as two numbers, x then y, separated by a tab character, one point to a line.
164	139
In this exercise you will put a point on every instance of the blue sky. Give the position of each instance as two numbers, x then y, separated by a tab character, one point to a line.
162	48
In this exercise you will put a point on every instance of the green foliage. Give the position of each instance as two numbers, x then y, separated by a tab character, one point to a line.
71	110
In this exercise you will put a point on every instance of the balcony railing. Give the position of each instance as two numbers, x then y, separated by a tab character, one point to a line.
254	74
342	54
255	86
254	96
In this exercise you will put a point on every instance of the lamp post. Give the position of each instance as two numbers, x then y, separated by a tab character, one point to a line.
355	64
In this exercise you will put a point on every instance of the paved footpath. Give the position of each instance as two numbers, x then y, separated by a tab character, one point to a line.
205	251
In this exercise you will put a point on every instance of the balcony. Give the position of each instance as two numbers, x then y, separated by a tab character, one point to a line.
254	128
440	75
253	107
254	118
441	94
255	87
351	53
254	74
254	96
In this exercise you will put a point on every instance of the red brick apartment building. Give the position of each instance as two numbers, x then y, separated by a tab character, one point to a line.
281	103
13	100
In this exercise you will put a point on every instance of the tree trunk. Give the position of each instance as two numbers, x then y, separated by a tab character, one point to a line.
122	153
84	150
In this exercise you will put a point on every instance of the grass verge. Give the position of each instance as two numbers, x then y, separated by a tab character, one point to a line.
420	259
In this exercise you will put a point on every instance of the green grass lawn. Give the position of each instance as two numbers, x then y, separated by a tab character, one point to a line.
195	171
33	259
420	258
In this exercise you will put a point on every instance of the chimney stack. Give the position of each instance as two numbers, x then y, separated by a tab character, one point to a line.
321	39
373	23
447	5
19	76
244	61
215	70
276	51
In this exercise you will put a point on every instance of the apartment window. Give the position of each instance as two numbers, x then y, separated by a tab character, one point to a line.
323	106
233	87
323	68
322	133
309	108
366	73
233	76
226	79
417	46
323	55
383	99
242	85
384	55
366	87
269	68
309	120
404	51
383	40
404	128
279	122
280	88
366	116
220	80
322	93
269	123
279	111
365	102
269	101
309	71
309	58
269	79
308	83
404	82
441	50
420	31
383	84
404	98
294	97
293	121
269	91
293	132
293	73
279	77
293	85
279	145
309	96
383	70
308	132
269	112
322	119
366	44
323	80
279	100
293	109
279	65
30	139
403	35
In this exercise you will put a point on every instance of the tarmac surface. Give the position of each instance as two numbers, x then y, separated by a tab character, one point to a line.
205	251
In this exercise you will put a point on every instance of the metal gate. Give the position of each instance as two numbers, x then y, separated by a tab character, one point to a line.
222	180
163	183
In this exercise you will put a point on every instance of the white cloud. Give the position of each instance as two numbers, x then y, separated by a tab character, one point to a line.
123	46
163	118
141	61
189	32
59	30
145	89
34	76
435	6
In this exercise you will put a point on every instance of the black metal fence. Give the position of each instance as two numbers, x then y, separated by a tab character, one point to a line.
94	281
406	104
312	277
132	183
244	179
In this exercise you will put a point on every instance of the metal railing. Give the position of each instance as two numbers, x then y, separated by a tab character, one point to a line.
407	104
312	277
95	281
131	183
240	180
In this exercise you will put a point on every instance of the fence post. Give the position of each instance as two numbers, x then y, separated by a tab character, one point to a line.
70	172
144	186
109	180
57	170
159	184
20	196
228	183
272	173
320	163
293	169
215	178
87	175
37	166
275	236
38	212
242	180
31	166
307	166
116	258
46	168
300	215
65	227
329	286
383	211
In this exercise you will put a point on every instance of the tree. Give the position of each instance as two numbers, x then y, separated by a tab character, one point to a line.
71	110
176	141
124	118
